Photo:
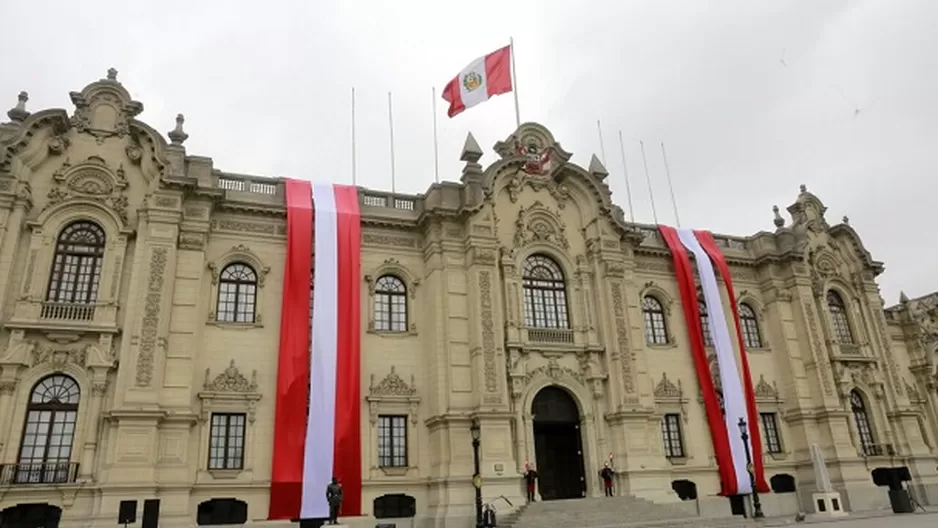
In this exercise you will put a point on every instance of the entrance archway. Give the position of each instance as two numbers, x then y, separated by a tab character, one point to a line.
558	445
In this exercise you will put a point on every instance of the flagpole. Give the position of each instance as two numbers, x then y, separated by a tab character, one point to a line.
354	168
514	81
391	129
436	144
602	145
651	193
667	170
625	170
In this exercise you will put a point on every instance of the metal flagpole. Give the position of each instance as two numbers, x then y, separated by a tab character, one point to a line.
436	145
625	170
651	193
391	128
354	171
667	170
514	81
602	145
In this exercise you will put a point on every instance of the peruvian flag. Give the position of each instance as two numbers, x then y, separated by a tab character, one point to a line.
483	78
739	399
317	426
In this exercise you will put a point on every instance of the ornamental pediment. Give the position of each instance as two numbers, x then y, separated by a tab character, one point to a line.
91	180
539	223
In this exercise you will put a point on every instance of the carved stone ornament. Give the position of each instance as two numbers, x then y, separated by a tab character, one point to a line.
104	109
924	315
488	331
59	357
230	380
392	385
552	370
817	350
622	338
90	180
540	224
665	389
766	391
149	338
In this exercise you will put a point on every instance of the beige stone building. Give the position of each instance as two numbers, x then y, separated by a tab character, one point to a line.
140	288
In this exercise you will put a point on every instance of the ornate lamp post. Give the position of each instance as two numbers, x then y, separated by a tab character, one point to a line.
756	505
476	431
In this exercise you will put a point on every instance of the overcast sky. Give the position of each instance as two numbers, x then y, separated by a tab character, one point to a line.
751	98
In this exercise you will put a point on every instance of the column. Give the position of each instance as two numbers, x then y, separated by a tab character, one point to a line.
93	417
12	228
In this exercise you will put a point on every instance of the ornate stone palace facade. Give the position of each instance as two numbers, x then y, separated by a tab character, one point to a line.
140	289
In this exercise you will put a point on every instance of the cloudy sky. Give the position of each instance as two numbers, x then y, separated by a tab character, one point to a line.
751	98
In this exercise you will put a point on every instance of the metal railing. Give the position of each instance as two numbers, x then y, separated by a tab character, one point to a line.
40	473
550	335
59	311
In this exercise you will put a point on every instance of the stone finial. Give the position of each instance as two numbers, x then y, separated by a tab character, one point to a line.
846	219
779	221
18	113
471	152
903	298
178	135
804	188
111	74
597	169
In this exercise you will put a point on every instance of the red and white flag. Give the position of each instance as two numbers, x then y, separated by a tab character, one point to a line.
739	399
482	79
317	429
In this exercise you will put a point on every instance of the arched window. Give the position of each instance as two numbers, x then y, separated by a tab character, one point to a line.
76	266
49	431
750	326
545	293
705	324
390	304
237	294
864	429
656	330
839	320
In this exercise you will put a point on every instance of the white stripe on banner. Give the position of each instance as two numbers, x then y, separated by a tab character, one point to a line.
734	400
320	424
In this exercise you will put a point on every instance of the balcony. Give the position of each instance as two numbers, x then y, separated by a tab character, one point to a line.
58	311
555	336
55	316
38	474
878	450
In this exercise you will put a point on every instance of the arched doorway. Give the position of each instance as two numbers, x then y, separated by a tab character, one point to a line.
558	446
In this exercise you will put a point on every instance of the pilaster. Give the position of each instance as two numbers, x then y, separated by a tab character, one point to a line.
13	211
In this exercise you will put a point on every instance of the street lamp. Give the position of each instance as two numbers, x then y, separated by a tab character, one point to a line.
476	431
756	505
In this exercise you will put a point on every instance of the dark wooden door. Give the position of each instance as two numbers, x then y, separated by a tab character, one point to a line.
558	445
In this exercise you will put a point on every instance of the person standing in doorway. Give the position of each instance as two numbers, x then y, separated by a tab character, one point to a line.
607	474
530	481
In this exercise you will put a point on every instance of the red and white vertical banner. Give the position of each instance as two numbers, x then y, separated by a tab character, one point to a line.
319	362
738	395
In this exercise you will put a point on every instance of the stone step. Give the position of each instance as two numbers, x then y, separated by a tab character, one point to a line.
610	512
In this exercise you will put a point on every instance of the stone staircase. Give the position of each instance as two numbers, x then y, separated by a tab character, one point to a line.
612	512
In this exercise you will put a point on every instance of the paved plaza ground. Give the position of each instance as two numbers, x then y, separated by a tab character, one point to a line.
882	519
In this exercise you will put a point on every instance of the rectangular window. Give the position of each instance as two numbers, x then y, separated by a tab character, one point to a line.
773	442
392	441
671	435
226	441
